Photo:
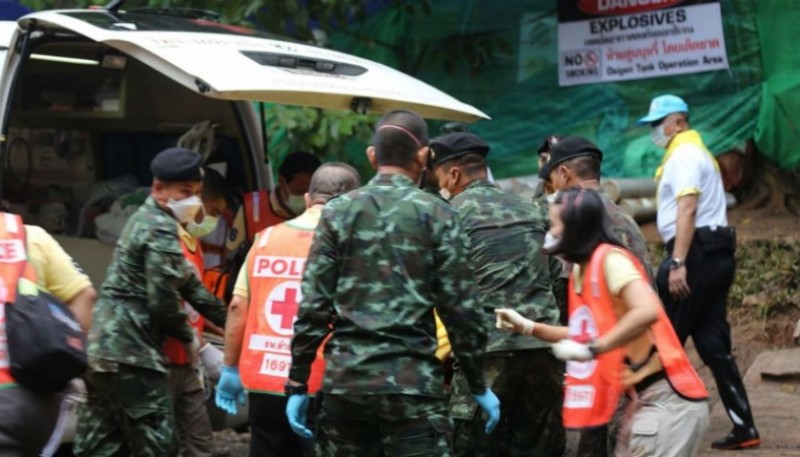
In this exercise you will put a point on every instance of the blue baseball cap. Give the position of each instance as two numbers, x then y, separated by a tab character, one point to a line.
662	106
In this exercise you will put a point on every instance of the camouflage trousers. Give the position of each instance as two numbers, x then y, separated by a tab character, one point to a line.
529	385
127	413
382	425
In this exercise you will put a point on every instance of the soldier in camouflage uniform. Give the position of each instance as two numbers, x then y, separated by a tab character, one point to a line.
504	237
384	257
575	161
542	195
129	411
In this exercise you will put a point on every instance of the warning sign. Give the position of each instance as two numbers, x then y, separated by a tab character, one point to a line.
616	40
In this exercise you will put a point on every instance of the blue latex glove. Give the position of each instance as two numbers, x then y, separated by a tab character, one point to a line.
229	390
297	412
491	405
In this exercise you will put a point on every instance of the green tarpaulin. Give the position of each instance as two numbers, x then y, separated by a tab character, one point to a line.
521	92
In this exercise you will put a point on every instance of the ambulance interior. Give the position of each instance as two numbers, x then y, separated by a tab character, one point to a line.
85	123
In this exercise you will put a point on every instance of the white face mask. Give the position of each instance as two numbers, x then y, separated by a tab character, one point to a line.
204	228
658	137
296	204
186	209
445	194
550	241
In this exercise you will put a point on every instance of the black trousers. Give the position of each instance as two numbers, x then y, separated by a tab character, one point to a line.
271	435
710	269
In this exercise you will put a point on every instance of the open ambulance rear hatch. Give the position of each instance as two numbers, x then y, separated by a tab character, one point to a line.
232	63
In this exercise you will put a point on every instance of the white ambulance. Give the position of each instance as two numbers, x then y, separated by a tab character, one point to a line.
88	97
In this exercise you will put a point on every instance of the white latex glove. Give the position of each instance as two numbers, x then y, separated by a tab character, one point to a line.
508	319
213	360
572	350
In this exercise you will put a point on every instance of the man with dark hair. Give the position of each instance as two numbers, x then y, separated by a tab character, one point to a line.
384	257
212	222
257	290
575	161
695	278
264	208
504	239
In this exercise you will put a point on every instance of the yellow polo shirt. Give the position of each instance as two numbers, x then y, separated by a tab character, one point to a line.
55	270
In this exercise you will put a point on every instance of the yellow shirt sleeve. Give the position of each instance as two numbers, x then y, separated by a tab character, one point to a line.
443	347
55	270
620	271
242	286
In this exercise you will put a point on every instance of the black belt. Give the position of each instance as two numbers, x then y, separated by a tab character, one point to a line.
721	237
649	381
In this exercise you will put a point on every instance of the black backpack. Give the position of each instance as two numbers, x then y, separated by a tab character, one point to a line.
46	345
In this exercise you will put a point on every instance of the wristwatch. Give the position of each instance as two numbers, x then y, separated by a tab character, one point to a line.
675	263
292	389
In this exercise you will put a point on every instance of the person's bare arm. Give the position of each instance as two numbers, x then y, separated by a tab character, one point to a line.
550	333
687	211
234	330
82	305
642	311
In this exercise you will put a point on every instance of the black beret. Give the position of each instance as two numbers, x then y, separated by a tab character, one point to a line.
456	144
177	165
568	148
548	143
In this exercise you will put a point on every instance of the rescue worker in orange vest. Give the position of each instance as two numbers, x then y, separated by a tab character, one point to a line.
186	383
264	209
261	317
619	337
27	418
212	227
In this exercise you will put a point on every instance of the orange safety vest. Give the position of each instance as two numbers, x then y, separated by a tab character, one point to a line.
175	350
13	257
593	388
258	213
275	268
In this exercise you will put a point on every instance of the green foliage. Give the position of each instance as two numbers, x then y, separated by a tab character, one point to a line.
767	276
326	133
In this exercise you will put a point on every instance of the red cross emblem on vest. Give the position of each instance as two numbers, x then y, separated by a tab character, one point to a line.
281	307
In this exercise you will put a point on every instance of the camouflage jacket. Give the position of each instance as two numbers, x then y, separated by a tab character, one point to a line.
383	258
623	226
628	233
504	236
139	304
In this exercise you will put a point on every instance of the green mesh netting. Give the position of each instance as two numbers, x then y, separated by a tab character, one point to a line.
521	93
